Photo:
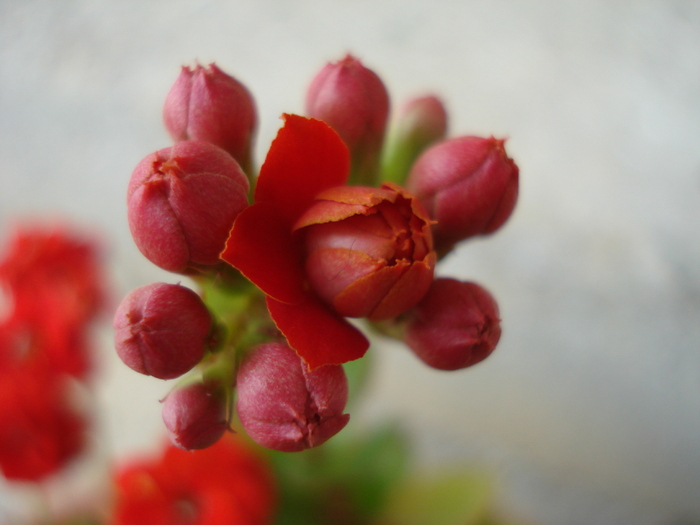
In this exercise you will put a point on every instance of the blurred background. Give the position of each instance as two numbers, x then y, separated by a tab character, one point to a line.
589	410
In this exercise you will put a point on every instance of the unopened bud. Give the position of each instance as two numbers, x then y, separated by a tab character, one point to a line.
456	325
207	104
162	330
468	185
419	123
196	414
354	102
284	406
182	202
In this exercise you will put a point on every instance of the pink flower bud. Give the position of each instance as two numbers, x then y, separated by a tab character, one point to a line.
182	202
420	122
369	250
284	406
456	325
207	104
354	102
468	185
162	330
196	415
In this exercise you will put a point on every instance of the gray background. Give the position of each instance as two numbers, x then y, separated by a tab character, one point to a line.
589	411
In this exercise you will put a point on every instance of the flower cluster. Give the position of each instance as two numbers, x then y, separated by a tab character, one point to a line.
51	287
347	219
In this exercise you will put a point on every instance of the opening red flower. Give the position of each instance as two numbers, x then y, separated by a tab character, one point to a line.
306	158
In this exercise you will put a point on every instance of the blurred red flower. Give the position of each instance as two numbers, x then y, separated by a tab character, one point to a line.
40	431
225	484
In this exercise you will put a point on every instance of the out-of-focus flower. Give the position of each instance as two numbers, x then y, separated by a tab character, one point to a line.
353	100
52	275
469	185
225	484
52	343
162	330
306	158
284	406
182	202
369	250
207	104
52	284
196	414
456	325
40	429
418	124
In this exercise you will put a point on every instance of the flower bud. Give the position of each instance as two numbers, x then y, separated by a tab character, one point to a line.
369	250
354	102
456	325
196	414
284	406
207	104
182	202
162	330
468	185
420	122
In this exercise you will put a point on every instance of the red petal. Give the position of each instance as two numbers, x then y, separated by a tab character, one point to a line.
306	157
261	246
317	334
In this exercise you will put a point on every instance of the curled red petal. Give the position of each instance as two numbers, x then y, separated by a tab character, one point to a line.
316	333
305	158
262	248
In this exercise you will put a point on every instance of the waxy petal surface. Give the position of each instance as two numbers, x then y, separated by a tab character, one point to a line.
262	248
305	158
317	334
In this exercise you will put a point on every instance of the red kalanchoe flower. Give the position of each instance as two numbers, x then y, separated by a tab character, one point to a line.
353	100
225	484
196	414
456	325
182	202
40	431
207	104
469	185
53	288
50	342
369	250
306	158
162	330
52	275
284	406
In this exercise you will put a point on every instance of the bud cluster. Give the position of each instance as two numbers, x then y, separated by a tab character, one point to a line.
347	219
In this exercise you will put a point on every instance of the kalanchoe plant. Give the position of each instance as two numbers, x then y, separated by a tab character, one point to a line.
322	240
